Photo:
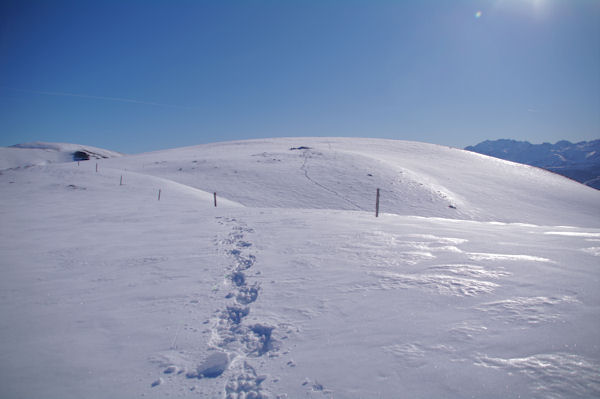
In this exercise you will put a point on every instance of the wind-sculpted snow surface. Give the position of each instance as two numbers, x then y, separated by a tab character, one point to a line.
531	310
388	322
290	287
556	375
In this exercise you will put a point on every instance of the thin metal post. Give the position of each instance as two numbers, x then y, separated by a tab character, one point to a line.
377	204
159	194
215	196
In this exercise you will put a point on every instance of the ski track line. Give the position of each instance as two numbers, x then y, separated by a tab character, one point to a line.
304	168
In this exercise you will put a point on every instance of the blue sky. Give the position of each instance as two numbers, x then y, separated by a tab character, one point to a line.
137	76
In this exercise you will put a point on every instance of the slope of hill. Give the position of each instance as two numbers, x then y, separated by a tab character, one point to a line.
332	173
291	287
579	161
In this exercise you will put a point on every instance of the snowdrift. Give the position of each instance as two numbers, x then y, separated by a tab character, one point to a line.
39	153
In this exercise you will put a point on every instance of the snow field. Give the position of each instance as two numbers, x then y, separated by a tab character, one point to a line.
291	287
420	328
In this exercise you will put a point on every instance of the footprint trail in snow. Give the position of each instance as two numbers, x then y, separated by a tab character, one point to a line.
234	343
231	335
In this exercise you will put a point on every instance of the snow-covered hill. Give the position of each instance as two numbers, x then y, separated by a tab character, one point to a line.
578	161
333	173
479	278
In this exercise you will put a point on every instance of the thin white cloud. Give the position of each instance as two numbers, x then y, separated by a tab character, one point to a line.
115	99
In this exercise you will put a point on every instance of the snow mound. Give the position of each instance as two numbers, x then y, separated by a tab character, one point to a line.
40	153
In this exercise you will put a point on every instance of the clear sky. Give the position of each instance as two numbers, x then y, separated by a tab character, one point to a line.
135	76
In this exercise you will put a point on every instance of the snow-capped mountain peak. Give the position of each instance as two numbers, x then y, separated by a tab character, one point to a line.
578	161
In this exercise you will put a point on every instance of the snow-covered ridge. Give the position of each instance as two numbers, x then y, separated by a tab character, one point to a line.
344	173
41	153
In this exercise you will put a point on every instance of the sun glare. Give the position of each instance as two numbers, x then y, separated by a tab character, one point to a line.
539	8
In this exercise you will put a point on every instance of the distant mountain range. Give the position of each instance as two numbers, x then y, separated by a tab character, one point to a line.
577	161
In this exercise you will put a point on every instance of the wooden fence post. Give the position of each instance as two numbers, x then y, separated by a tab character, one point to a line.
215	196
377	204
